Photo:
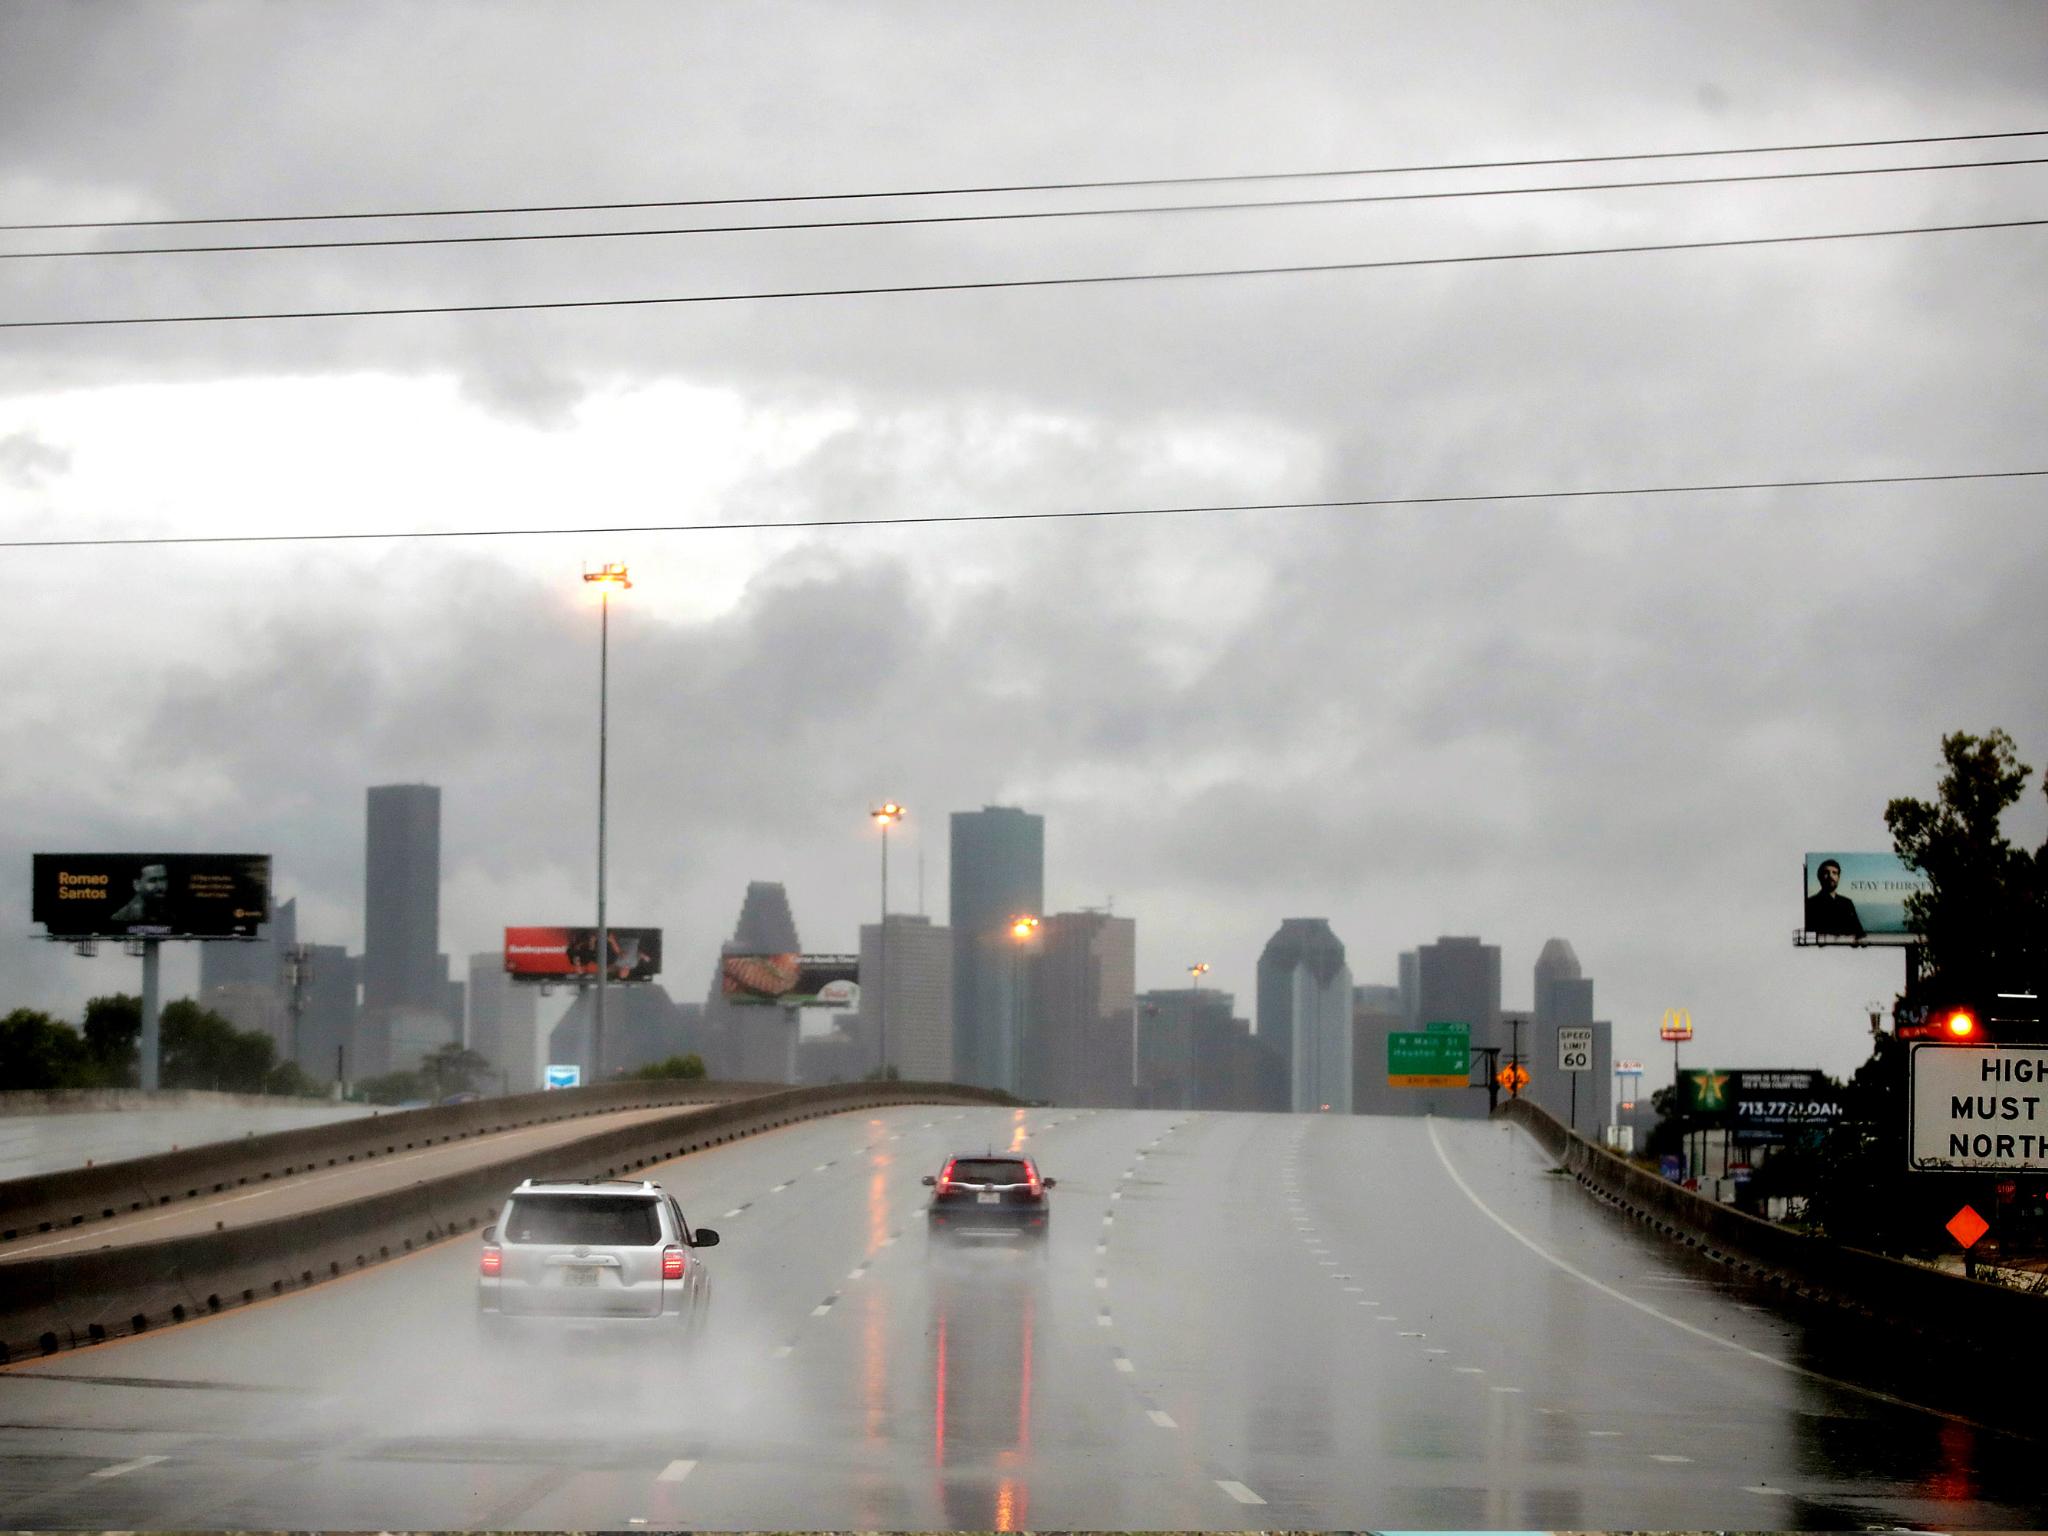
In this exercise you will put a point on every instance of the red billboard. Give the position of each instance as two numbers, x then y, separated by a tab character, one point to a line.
564	954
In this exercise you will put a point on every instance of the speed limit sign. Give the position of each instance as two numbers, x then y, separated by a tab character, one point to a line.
1575	1048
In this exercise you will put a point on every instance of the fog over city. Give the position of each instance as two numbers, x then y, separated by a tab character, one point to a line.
1618	720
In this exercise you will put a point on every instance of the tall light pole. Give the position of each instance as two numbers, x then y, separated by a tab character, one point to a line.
886	815
1198	970
1023	929
608	579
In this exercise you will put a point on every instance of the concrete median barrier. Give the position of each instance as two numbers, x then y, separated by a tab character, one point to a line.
53	1202
64	1302
1967	1314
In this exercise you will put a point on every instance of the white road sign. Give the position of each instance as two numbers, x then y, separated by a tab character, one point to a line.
1976	1107
1575	1048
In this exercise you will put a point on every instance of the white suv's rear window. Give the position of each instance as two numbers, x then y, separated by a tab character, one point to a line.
618	1221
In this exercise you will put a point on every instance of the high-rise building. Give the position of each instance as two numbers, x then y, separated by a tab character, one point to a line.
1305	1012
1410	982
402	963
1078	1033
750	1042
1458	982
997	873
1376	1012
327	1026
504	1023
1182	1040
1564	997
918	991
243	979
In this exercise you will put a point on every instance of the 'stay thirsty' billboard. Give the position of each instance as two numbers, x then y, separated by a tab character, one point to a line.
151	895
1858	898
564	954
790	980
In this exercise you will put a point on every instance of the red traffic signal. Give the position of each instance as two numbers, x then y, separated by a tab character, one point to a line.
1957	1026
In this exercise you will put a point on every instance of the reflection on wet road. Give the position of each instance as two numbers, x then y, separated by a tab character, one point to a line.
1237	1321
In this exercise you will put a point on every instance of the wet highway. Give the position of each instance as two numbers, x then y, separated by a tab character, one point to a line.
1240	1321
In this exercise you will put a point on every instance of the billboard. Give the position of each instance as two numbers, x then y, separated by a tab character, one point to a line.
564	954
790	980
1768	1104
150	895
1858	898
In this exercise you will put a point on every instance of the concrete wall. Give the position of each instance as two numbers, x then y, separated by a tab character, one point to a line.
66	1301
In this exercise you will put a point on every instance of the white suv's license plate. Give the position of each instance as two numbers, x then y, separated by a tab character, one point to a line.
580	1274
988	1197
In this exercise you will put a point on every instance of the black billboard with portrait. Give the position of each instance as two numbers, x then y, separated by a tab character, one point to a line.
151	895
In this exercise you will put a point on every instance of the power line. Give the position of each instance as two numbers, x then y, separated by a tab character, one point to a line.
992	284
1040	186
1014	216
1361	503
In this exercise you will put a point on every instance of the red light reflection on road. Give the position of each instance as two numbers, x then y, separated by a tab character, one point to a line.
1956	1478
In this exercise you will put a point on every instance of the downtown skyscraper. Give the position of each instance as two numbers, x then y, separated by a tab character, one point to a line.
997	873
406	994
1304	1013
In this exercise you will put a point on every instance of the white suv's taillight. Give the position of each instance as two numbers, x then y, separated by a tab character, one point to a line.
673	1262
492	1263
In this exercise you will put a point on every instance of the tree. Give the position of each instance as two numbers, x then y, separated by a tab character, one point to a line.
687	1068
113	1031
203	1050
1983	917
452	1068
37	1051
392	1088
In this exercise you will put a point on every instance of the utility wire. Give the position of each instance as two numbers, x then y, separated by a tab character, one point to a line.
1040	186
992	284
1069	515
1011	216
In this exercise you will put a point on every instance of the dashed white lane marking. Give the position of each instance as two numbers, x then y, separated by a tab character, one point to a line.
1604	1434
1665	1317
1102	1247
1115	1195
675	1471
1102	1282
778	1189
856	1272
1436	1351
821	1167
781	1352
1408	1333
1516	1390
124	1468
1108	1221
1160	1417
1469	1370
1768	1491
1123	1363
821	1309
1384	1317
1102	1319
728	1216
1238	1491
1354	1290
1655	1456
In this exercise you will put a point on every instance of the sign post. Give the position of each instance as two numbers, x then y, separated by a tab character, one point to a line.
1574	1055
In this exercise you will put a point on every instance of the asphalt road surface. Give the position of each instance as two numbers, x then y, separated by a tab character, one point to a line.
1240	1321
322	1187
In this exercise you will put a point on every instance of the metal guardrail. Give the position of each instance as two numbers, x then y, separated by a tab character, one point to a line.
1962	1313
65	1301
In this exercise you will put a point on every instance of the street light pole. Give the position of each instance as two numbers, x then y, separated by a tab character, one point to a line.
1023	928
607	578
886	815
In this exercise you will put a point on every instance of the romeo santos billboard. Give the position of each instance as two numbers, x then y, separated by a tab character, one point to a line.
565	954
151	895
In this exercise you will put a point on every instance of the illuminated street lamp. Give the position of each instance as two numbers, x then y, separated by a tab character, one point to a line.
886	815
608	578
1198	970
1023	928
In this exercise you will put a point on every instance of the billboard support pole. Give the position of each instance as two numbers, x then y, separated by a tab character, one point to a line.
152	1020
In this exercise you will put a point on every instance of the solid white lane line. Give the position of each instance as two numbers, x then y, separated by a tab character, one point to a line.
1679	1323
124	1468
1238	1491
1163	1419
676	1471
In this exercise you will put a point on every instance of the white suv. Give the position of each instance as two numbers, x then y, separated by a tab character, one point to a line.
598	1251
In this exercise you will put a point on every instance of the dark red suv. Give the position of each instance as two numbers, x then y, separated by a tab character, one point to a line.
989	1194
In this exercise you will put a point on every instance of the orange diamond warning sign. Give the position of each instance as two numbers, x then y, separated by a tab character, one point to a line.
1966	1226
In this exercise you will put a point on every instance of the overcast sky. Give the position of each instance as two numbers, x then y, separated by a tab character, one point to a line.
1621	721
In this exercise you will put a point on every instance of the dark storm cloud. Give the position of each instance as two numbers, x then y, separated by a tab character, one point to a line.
1618	721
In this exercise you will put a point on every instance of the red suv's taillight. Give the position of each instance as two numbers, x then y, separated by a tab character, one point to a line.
673	1262
492	1262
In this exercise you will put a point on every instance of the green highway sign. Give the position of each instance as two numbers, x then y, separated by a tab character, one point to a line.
1436	1057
